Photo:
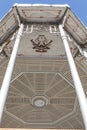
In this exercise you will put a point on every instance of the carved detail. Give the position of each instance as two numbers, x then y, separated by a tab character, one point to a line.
8	50
41	44
41	27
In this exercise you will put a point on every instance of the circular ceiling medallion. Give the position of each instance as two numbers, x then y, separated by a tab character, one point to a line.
39	101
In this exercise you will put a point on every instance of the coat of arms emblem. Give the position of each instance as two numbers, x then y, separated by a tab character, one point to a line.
41	44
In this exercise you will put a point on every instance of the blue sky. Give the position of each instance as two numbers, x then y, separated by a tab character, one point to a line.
79	7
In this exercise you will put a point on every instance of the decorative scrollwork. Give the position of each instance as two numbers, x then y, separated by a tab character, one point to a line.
41	44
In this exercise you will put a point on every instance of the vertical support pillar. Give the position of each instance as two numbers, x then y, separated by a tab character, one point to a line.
8	74
78	86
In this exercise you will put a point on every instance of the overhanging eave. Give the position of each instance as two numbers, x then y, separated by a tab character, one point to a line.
42	13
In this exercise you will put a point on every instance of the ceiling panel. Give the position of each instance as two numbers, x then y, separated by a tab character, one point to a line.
42	13
75	27
40	97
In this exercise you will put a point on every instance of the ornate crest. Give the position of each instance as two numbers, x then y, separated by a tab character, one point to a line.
41	44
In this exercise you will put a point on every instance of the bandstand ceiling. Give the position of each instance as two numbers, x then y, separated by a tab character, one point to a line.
42	93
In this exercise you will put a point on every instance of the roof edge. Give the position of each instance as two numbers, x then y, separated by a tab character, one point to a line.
48	5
